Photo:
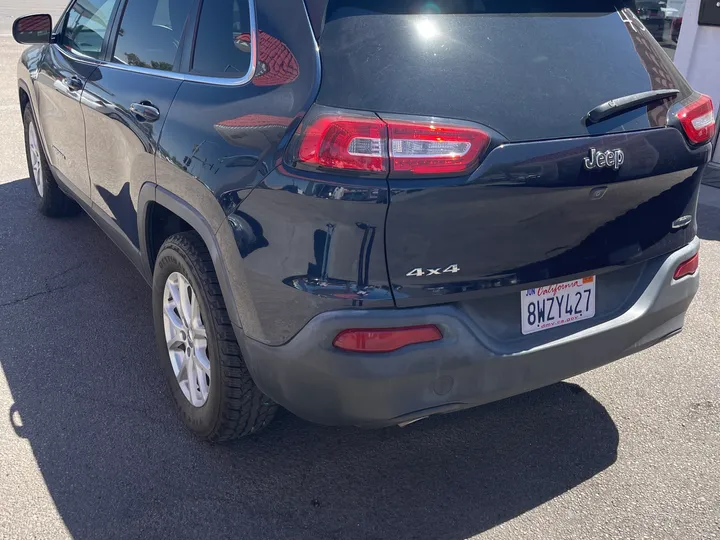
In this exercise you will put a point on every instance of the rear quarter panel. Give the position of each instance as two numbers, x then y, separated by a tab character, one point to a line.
220	143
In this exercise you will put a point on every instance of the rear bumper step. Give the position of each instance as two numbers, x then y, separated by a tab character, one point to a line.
322	384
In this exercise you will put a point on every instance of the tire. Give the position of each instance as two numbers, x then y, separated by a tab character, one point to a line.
233	406
52	201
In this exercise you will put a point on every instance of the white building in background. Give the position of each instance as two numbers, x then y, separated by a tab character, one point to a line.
674	8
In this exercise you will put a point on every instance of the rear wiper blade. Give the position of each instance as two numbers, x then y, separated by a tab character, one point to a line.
627	103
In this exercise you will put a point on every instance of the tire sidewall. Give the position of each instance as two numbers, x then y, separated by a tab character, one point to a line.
29	118
201	420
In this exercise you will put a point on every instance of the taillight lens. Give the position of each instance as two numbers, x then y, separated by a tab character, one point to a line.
341	140
698	120
688	268
362	143
385	339
434	147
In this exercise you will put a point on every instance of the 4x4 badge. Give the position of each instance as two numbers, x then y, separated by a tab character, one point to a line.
605	160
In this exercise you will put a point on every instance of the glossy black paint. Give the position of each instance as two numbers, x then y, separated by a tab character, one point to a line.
533	213
120	144
311	245
58	110
289	245
221	142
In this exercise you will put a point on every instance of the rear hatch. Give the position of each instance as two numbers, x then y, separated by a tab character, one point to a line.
537	205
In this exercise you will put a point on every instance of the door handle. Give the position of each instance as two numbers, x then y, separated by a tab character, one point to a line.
73	84
146	111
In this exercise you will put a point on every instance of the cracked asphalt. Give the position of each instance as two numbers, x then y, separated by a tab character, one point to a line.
90	446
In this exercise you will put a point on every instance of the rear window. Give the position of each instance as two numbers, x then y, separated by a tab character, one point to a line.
529	69
336	7
223	44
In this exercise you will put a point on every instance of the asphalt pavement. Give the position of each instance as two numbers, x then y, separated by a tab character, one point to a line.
90	446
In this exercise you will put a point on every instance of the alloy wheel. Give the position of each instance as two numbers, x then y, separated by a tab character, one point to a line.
35	159
186	339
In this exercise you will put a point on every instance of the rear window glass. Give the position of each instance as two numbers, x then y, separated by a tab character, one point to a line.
336	7
530	69
150	33
223	42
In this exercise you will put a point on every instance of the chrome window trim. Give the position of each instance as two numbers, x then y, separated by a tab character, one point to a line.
205	79
145	71
228	81
76	55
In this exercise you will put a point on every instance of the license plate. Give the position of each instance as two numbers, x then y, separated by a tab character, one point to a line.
557	305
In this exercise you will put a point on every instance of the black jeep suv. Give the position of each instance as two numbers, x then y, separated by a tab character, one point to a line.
371	212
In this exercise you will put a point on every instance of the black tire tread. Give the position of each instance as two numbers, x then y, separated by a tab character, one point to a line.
244	409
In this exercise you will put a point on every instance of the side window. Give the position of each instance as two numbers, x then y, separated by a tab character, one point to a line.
86	25
222	44
150	32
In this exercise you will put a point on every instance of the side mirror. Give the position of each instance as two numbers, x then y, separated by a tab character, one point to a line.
33	29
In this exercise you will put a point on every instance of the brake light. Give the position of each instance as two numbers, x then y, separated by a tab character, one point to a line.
385	339
363	143
356	143
688	268
434	147
698	120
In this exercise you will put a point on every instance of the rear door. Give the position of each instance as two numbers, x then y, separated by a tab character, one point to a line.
126	103
553	195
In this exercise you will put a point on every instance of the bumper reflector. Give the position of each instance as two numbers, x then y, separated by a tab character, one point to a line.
688	267
379	340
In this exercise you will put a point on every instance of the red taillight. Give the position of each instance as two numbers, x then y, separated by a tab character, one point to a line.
362	143
698	120
688	268
434	147
385	339
356	143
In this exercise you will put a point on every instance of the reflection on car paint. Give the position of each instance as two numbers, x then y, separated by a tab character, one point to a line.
253	130
276	63
319	283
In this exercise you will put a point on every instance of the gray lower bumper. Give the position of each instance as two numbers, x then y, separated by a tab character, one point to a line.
322	384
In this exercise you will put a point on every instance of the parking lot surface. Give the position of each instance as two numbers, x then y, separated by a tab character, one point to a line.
90	446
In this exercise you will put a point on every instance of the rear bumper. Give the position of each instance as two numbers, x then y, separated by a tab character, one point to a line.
322	384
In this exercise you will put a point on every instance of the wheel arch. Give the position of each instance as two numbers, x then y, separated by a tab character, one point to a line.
24	96
153	197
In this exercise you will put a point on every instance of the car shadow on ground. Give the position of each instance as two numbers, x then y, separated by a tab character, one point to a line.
78	353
